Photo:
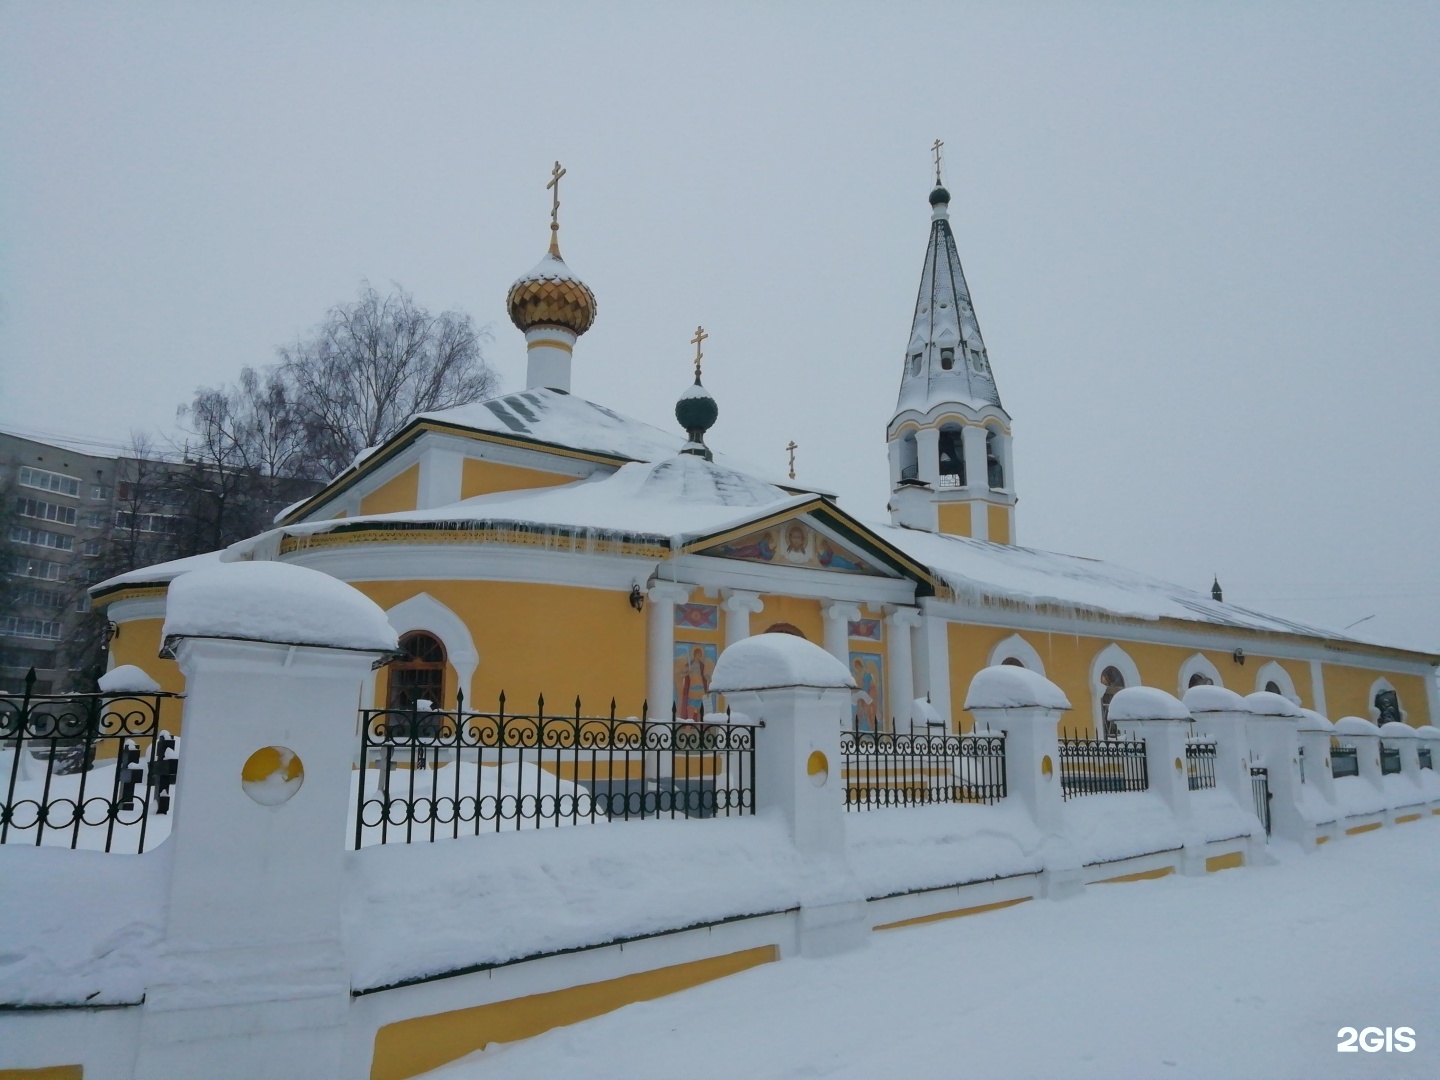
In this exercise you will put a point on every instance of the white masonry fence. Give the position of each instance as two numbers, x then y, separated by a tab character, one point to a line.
271	938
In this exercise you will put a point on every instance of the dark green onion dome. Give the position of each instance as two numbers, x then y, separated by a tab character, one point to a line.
696	411
938	196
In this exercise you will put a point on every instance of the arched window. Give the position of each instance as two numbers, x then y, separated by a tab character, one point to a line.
1273	687
785	628
1010	661
1387	706
1016	652
1198	670
947	358
1112	681
992	459
909	457
1276	680
952	457
420	674
1200	679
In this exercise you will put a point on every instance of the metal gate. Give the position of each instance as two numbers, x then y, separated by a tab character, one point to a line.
1260	788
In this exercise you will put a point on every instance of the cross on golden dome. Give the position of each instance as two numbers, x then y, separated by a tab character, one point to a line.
700	336
554	187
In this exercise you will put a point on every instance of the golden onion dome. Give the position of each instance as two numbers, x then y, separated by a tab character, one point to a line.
550	295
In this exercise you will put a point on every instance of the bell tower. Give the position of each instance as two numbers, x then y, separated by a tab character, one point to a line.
949	440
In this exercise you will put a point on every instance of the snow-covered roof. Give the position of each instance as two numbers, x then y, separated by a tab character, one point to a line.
945	318
564	420
1146	703
768	661
1005	686
1205	698
160	572
680	497
981	571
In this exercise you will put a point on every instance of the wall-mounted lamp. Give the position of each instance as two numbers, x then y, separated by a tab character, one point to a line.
637	598
1238	656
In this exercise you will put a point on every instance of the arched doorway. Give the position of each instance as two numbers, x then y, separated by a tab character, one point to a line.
420	674
785	628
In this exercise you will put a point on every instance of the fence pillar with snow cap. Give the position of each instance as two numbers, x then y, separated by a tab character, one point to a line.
252	969
1026	706
1161	719
1275	738
1223	715
1404	788
1429	757
800	698
1364	738
1317	776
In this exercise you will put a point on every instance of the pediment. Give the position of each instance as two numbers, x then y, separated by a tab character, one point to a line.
794	542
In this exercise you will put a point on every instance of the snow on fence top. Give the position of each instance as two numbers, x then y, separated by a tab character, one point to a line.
1397	730
1008	687
1310	720
269	601
1264	703
1354	725
1203	699
768	661
1147	703
1428	732
128	679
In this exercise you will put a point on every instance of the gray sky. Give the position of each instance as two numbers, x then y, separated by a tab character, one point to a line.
1203	241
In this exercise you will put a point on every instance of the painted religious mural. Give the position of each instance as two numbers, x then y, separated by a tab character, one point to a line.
697	616
694	664
869	672
867	629
794	543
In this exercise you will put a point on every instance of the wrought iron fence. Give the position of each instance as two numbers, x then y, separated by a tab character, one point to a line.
1260	789
1098	766
1427	760
1200	764
885	769
427	774
1344	761
90	771
1389	760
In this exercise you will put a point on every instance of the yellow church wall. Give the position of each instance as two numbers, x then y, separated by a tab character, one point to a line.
802	614
999	524
138	643
1068	659
556	640
954	518
398	493
1347	693
479	477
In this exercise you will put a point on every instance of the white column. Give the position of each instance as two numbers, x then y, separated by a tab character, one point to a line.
977	475
838	617
934	635
927	445
739	606
660	646
979	519
901	676
893	450
1005	445
440	475
1317	687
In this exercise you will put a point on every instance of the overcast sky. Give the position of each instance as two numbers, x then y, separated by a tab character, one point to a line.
1203	240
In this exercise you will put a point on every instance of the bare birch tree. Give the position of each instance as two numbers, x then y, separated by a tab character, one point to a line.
374	363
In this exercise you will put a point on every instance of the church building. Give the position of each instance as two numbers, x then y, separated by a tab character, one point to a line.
539	543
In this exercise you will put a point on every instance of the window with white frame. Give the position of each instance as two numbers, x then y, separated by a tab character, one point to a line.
49	481
19	626
23	534
43	569
45	511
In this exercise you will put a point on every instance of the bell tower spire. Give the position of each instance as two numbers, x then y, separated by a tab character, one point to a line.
949	439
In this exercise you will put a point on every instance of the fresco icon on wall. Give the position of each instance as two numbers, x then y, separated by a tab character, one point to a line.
795	543
697	616
869	629
694	663
868	670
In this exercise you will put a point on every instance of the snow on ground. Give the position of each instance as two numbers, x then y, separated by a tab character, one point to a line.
1246	973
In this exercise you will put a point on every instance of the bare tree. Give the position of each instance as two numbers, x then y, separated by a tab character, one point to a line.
373	364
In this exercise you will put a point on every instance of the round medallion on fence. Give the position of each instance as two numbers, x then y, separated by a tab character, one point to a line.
819	768
272	775
1047	767
1179	765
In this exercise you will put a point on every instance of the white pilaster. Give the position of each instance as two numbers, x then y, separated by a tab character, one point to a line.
934	682
739	606
660	645
901	676
979	518
1317	687
977	478
440	473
